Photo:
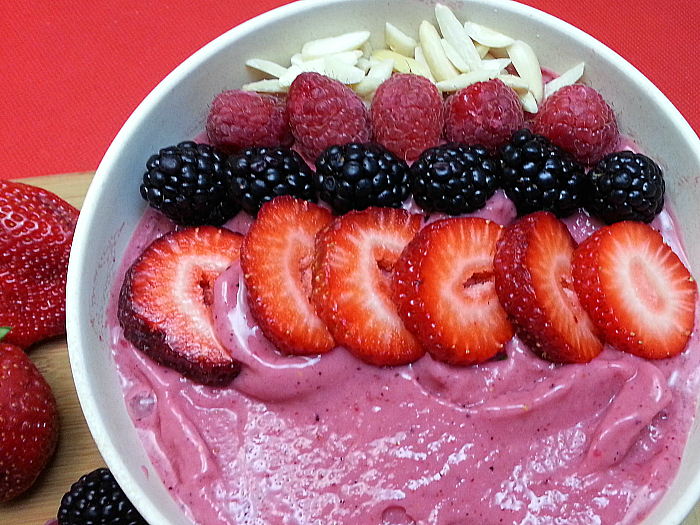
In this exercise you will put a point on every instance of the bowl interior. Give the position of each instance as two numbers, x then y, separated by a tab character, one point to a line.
177	109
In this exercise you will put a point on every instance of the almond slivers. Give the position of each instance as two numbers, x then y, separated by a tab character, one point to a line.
451	53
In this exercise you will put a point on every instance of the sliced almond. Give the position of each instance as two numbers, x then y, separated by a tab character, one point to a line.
481	49
292	72
364	64
454	32
317	65
378	73
495	64
403	64
420	58
454	57
486	36
338	66
440	65
565	79
528	67
373	60
399	41
342	71
497	52
528	102
466	79
334	44
381	70
267	66
367	87
349	57
268	85
296	59
518	84
366	49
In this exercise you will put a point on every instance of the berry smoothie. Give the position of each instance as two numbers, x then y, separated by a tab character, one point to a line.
329	439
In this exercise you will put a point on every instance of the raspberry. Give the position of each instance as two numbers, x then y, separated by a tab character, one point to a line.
241	119
406	115
577	119
324	112
485	113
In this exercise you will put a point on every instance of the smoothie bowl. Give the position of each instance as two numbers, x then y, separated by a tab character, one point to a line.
344	437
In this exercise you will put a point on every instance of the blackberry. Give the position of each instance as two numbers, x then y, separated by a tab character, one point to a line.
626	186
357	175
454	178
537	175
186	183
256	175
97	499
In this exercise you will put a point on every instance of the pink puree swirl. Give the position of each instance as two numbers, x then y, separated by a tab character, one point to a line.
332	441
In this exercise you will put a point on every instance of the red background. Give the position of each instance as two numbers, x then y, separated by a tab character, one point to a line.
73	71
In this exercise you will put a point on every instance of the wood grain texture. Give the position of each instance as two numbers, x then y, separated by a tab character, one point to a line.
77	453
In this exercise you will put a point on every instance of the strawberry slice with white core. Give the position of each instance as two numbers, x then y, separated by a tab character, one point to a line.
276	258
165	302
355	255
444	289
532	270
636	290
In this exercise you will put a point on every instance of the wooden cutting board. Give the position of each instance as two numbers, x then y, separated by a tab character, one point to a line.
77	453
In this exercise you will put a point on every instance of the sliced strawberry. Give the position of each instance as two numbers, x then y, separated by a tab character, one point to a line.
355	255
276	258
635	289
443	287
532	269
36	232
165	302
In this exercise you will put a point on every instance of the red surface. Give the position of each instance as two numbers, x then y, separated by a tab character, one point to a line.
73	71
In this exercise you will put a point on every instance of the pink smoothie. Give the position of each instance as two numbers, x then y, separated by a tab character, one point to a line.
332	441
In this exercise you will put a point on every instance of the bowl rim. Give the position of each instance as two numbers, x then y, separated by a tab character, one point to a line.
81	251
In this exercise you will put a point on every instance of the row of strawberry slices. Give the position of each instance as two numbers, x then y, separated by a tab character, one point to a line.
389	288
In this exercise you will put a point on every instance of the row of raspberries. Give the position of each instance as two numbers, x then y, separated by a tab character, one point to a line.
408	115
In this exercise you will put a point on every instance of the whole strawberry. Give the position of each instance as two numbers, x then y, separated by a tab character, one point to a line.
28	422
36	232
577	119
241	119
485	113
406	115
324	112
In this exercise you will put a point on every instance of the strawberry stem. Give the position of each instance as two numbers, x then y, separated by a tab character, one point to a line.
4	330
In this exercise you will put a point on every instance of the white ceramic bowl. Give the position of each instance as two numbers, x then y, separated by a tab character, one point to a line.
177	109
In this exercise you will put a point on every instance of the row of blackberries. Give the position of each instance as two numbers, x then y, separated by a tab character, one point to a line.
196	184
